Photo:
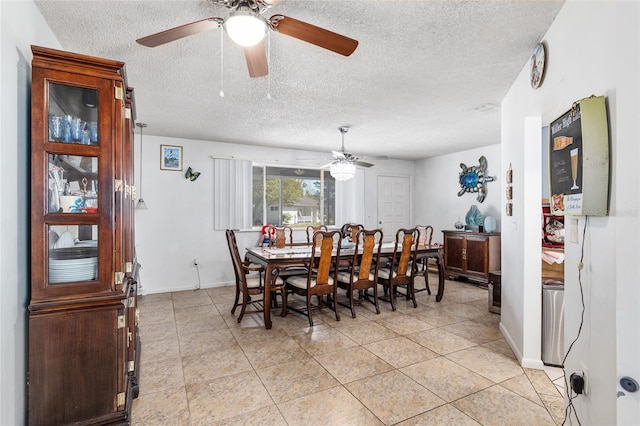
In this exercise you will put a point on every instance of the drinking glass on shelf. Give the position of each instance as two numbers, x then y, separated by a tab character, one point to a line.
56	128
93	132
76	126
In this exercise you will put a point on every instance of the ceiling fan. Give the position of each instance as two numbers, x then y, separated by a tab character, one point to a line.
343	157
246	26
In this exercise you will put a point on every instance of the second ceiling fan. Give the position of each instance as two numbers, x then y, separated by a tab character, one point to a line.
246	26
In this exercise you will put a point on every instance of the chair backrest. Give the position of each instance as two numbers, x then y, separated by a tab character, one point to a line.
311	229
350	230
280	236
322	256
425	233
405	248
367	248
235	256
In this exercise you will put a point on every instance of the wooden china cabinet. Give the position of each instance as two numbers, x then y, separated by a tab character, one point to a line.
472	255
83	342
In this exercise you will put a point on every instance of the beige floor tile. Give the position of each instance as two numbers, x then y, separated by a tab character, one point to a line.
440	341
541	382
464	311
160	375
212	365
499	406
348	365
436	317
235	373
367	332
211	341
474	332
196	312
500	346
271	352
446	379
523	387
553	372
265	416
492	365
404	324
200	324
334	406
161	331
400	351
226	397
161	408
294	379
322	341
160	349
443	415
393	397
152	317
555	405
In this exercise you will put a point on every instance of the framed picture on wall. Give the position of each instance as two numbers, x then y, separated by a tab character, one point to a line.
170	157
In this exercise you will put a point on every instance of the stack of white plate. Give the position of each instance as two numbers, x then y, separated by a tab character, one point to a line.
73	264
71	270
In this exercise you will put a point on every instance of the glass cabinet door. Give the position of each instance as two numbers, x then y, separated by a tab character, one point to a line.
73	114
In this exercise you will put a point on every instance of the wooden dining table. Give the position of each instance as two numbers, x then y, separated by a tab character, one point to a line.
300	255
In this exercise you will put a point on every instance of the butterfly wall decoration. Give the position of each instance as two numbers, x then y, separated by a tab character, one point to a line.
191	175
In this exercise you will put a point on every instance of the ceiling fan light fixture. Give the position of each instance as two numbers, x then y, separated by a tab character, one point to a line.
342	170
245	27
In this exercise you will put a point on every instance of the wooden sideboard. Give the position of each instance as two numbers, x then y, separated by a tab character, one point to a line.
472	255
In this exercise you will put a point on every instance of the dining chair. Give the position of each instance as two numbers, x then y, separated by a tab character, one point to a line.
425	234
311	229
362	273
399	272
280	236
319	280
249	280
349	230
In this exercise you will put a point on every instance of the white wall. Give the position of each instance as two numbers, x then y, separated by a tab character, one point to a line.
436	200
20	26
593	48
178	226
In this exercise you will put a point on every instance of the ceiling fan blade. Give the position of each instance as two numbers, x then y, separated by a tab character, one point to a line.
256	57
182	31
362	164
326	165
338	154
314	35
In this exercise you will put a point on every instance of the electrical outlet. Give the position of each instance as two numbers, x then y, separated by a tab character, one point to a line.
195	261
585	375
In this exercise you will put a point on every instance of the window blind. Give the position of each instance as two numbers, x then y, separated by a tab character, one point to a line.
232	194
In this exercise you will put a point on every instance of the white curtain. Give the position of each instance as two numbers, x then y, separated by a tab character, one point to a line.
232	194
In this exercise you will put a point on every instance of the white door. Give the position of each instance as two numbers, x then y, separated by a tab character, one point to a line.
394	205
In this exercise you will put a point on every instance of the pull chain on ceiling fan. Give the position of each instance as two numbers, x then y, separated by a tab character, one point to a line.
246	26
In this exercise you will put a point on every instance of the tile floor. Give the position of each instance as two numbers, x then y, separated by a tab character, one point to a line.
441	363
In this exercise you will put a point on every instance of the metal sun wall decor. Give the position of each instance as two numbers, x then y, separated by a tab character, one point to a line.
472	179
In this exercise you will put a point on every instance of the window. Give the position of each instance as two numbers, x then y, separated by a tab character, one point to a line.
294	197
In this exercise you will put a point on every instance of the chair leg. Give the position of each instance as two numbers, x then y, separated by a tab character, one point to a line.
353	311
235	304
335	302
285	308
392	297
411	287
309	309
375	298
244	305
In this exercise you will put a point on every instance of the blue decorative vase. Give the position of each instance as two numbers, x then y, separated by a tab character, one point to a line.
490	224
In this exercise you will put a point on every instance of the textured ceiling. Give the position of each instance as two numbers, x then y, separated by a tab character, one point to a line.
412	88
